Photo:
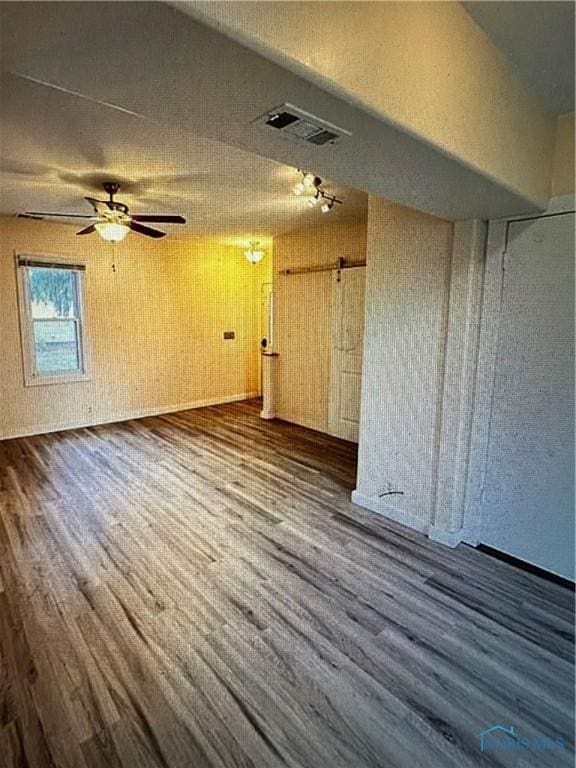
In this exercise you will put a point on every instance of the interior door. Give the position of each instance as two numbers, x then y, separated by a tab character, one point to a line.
346	352
527	506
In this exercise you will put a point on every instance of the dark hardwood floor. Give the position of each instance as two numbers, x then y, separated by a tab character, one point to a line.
197	590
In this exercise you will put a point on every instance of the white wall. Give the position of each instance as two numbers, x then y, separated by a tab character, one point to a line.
407	294
468	381
459	380
155	328
563	179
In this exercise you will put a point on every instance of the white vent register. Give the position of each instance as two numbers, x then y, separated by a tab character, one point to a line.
298	125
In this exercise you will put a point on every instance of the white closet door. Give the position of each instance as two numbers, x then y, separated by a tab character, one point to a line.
527	507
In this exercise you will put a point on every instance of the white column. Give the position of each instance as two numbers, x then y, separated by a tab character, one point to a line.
461	354
269	363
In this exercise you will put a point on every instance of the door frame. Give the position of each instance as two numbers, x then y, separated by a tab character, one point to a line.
491	309
266	292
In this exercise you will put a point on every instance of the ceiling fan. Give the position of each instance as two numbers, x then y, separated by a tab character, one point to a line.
111	218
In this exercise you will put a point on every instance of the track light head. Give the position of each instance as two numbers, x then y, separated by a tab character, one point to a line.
313	201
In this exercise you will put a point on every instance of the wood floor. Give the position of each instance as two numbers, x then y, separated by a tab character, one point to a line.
197	590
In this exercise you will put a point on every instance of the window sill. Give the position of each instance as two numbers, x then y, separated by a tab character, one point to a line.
39	381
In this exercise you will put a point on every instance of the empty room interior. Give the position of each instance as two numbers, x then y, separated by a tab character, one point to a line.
287	384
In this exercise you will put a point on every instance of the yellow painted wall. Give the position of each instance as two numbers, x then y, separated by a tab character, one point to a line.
563	182
303	317
155	328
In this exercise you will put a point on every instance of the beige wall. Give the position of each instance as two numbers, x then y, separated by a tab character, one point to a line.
426	67
303	317
407	293
155	328
563	182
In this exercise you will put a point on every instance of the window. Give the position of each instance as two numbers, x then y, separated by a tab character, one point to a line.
51	320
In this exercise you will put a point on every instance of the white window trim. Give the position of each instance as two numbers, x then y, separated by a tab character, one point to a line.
31	378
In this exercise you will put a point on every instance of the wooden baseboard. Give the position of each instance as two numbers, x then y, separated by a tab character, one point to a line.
378	506
448	538
141	413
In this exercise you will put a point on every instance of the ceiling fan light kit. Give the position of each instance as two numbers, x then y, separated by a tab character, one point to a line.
111	218
112	231
309	183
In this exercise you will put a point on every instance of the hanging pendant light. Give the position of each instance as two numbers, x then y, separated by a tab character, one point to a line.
253	254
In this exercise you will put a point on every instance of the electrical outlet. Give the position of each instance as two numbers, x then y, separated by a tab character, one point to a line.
229	335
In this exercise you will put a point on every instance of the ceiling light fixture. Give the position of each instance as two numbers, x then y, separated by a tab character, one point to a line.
112	231
328	204
111	218
309	183
253	254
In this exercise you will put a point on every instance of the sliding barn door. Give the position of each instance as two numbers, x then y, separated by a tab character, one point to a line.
346	352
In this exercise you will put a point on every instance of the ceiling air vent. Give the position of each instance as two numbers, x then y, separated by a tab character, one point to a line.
301	126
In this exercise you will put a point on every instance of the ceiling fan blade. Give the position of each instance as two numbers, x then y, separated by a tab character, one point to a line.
87	230
97	204
135	227
40	215
159	219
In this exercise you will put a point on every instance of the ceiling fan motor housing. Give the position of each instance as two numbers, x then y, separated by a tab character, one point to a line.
111	187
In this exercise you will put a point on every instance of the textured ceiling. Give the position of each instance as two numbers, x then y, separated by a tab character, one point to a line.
537	36
184	80
49	164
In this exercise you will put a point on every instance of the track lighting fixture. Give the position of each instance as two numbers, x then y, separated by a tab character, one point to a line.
311	186
328	202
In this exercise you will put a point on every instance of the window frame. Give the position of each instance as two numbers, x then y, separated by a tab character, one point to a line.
32	377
